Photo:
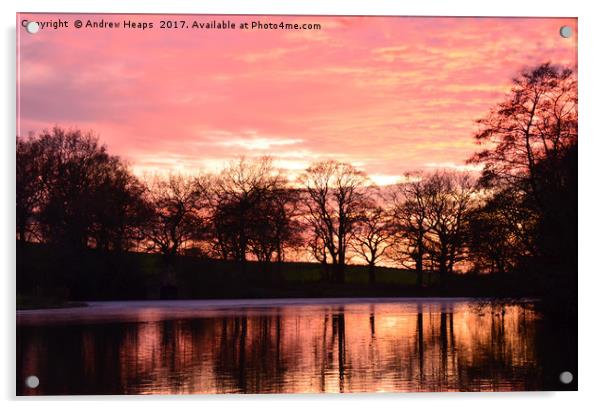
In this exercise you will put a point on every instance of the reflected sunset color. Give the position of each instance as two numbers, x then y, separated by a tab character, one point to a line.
431	345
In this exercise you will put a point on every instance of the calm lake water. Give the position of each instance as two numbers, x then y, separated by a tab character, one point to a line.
287	346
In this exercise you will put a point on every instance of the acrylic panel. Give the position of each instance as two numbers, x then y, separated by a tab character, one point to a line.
295	204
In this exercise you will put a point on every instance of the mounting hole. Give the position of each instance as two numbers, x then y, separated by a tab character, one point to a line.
32	382
566	31
32	27
566	377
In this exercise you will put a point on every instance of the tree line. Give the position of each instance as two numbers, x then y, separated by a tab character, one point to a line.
518	214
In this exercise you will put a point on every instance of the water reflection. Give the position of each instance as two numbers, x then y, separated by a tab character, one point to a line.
372	347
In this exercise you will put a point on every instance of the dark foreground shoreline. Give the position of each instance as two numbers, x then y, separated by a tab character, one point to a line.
46	279
463	287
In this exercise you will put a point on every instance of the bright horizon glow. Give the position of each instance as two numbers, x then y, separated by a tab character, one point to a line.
387	94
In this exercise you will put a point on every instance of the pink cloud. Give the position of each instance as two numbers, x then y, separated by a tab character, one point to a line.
393	94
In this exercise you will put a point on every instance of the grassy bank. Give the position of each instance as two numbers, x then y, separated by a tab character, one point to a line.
49	278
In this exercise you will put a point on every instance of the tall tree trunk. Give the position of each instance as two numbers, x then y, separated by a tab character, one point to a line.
443	268
419	270
341	245
419	260
372	273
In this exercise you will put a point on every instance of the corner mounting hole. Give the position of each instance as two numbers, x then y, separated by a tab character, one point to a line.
32	381
566	377
566	31
32	27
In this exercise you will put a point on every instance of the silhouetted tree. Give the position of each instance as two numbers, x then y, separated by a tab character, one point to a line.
121	212
372	236
335	196
531	157
275	226
178	219
536	122
431	217
410	206
528	136
78	194
500	233
29	186
253	212
318	250
74	164
450	201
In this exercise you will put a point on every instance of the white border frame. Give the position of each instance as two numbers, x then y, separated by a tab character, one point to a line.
590	278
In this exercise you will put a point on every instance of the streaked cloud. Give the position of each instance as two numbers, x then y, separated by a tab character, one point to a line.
258	143
390	95
454	166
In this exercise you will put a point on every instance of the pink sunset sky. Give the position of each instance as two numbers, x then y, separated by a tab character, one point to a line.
388	94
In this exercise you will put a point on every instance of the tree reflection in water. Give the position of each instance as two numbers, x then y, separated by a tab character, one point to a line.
413	346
